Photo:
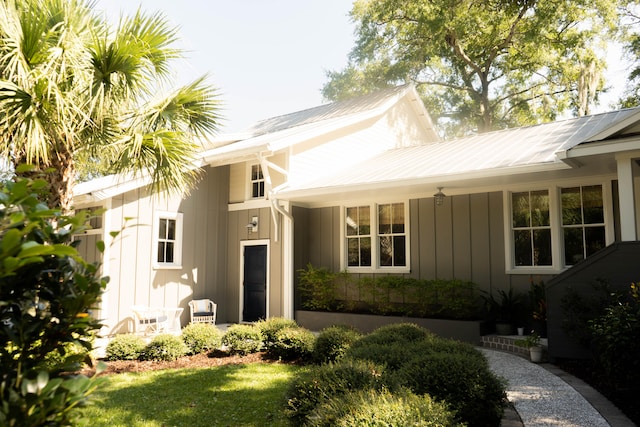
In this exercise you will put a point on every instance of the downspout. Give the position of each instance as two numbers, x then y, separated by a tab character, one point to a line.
287	248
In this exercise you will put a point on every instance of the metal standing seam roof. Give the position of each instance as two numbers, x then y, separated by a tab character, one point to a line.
529	146
280	132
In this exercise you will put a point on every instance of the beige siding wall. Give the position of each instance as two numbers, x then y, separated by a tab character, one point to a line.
463	239
134	280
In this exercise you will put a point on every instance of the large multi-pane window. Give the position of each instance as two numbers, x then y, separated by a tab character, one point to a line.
257	182
531	227
168	250
583	226
376	235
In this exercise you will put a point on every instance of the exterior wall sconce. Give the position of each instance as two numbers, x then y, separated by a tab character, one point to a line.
439	196
253	225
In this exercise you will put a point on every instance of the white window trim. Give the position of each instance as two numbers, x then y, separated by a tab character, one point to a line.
177	250
557	249
249	188
375	258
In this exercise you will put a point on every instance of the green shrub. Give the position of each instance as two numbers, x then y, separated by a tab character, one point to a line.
465	383
320	383
47	293
332	343
292	343
201	337
242	339
318	288
381	408
616	339
271	326
68	357
164	347
125	347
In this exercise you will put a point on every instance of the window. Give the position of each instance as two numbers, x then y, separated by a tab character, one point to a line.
257	182
583	229
358	236
556	227
531	228
377	240
168	247
391	237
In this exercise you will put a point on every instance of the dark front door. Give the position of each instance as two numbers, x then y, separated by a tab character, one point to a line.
255	283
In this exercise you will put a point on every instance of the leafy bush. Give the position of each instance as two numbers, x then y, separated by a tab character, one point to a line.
323	290
164	347
377	408
242	339
69	356
47	292
292	343
465	383
321	383
125	347
616	339
201	337
332	343
270	327
318	289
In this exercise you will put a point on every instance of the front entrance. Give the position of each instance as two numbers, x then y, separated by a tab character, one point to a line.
254	283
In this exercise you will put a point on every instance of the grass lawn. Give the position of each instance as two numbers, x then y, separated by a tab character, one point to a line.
229	395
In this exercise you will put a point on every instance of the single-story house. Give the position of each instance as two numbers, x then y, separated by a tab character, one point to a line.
351	186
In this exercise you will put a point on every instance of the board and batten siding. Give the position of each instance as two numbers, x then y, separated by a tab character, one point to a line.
238	232
134	280
462	239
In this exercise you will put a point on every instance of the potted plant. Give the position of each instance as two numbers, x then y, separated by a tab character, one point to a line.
504	310
532	342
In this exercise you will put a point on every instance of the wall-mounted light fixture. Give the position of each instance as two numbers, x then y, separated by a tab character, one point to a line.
253	225
439	196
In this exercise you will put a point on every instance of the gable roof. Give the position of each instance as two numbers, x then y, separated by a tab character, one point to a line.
511	151
277	133
274	134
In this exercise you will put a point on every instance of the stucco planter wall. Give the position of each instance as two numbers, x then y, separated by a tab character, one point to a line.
463	330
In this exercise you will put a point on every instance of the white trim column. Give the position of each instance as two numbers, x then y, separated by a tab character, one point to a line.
626	194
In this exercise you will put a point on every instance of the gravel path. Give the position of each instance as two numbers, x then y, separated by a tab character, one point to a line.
541	398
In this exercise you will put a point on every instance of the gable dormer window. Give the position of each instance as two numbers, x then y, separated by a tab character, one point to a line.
257	182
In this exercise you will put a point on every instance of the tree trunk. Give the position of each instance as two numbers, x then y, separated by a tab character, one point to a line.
59	173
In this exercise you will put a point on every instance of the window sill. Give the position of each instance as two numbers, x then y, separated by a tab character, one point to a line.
396	270
534	270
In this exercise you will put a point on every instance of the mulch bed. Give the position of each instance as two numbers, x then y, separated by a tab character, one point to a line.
202	360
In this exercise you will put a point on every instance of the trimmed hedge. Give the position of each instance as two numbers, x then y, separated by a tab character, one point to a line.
378	408
164	347
201	337
125	347
242	339
292	343
318	384
333	342
408	356
271	326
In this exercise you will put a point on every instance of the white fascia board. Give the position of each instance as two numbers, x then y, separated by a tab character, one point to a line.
439	180
599	148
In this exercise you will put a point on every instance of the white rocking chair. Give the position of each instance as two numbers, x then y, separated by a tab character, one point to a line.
203	311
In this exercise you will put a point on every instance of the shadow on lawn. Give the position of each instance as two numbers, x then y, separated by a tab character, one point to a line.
247	395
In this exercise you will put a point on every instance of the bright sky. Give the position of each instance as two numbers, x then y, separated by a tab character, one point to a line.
267	57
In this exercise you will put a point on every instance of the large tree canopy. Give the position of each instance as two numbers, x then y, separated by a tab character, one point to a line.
481	65
73	87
